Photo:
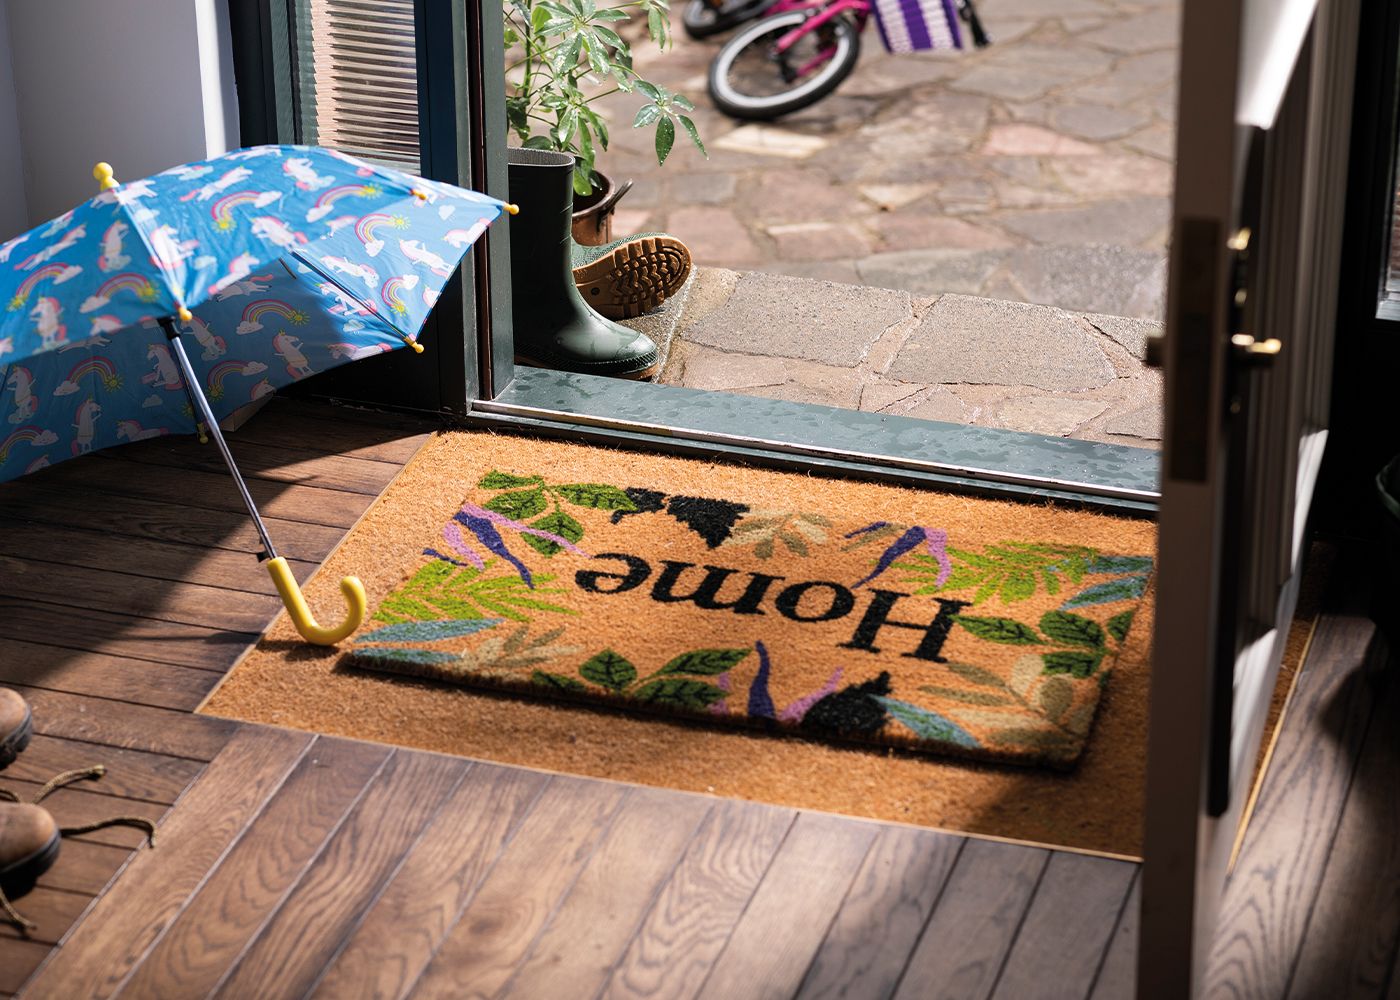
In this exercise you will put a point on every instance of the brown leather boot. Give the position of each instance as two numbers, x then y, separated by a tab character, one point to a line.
16	726
29	843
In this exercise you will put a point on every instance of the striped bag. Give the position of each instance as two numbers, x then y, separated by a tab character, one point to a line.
915	25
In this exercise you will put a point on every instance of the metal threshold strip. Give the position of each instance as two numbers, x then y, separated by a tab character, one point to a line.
969	472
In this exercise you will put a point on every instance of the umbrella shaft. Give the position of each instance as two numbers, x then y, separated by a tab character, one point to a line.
207	415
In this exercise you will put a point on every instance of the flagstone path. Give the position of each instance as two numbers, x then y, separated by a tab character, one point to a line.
1037	170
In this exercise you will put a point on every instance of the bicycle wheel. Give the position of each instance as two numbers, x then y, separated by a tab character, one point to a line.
702	19
749	80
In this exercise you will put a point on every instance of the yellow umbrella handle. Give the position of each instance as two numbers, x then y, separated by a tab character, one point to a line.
306	624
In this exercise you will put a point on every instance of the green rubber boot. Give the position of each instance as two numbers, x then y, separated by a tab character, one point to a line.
631	276
554	327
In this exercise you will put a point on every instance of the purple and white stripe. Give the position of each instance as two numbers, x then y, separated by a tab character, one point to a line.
918	25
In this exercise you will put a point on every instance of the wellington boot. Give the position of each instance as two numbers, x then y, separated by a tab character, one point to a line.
554	327
29	842
633	275
16	726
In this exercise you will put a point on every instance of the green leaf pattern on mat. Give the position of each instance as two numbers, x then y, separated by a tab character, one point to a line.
679	692
675	684
764	529
1003	630
607	669
441	590
528	497
705	662
925	724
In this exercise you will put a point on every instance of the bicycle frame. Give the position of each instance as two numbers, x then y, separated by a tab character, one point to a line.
827	10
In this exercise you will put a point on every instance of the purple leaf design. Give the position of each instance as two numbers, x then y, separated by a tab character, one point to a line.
936	540
867	529
472	510
901	545
722	682
798	709
453	535
455	562
488	536
760	702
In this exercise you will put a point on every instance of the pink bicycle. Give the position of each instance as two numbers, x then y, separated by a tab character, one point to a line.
797	54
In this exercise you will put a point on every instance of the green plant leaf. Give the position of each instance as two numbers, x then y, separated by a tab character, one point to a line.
925	724
495	480
976	674
557	681
650	89
608	669
519	505
705	662
1056	695
665	139
1004	630
680	692
1079	663
1119	624
646	114
556	523
1072	630
596	496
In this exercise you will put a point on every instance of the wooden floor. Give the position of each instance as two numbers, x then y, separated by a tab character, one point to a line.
290	865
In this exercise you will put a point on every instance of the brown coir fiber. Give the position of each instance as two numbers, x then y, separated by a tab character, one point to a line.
1094	805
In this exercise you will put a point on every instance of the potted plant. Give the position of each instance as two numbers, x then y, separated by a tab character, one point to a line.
563	57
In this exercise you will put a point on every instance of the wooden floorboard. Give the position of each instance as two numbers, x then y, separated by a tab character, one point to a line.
288	865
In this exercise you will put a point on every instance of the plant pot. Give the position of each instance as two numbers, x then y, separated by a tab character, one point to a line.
593	212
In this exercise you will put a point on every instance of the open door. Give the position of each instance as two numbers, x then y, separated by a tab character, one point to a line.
1266	98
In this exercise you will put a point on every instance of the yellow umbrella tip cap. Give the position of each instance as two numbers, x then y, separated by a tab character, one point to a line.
184	314
512	209
102	173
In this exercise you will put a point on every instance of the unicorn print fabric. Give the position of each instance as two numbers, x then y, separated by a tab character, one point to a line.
291	260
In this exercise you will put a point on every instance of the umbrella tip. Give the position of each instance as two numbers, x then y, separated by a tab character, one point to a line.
413	343
512	209
102	173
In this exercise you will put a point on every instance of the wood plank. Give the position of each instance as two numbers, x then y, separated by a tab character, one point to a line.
1117	978
292	408
84	866
891	899
196	488
265	462
680	939
403	929
132	596
772	946
249	883
1354	932
102	675
970	933
130	774
534	872
1267	900
74	807
18	960
52	911
101	552
164	520
121	635
1068	926
156	884
119	724
323	909
385	438
575	953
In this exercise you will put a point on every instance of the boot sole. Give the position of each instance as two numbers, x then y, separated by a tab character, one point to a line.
635	278
640	373
19	877
18	740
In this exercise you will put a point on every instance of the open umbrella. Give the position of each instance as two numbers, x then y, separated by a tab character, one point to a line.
271	263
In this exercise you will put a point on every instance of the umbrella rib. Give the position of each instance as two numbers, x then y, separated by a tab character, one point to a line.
407	337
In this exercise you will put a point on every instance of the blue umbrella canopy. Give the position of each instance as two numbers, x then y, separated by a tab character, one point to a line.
275	263
159	307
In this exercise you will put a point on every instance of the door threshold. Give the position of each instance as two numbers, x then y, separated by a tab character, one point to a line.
809	436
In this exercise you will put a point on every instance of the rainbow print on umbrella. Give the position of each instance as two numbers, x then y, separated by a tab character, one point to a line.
222	210
325	204
224	370
103	368
38	437
392	291
127	281
367	230
256	312
57	273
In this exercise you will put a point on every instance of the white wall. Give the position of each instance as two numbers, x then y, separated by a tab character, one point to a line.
143	84
14	215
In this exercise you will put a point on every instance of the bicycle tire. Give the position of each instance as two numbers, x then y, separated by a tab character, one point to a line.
727	97
701	20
